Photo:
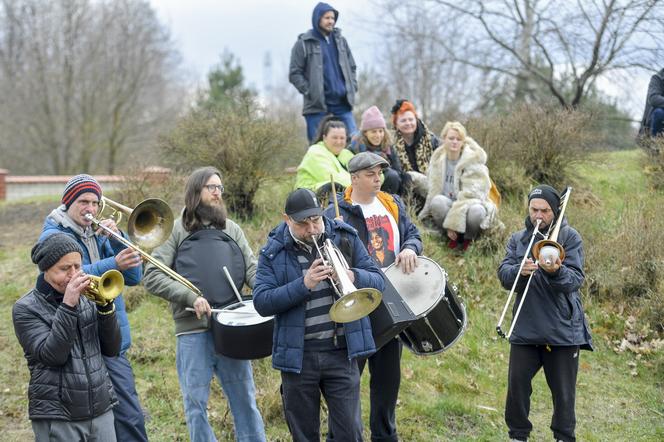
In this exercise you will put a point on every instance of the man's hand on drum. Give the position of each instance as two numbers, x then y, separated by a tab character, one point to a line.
316	273
407	258
202	307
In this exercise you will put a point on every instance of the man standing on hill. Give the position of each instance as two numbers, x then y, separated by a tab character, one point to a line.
322	69
80	198
551	327
385	229
203	242
652	123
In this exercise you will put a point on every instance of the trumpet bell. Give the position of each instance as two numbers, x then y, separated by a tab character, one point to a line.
105	288
355	305
150	223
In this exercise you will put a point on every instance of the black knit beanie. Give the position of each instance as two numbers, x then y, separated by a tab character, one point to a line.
46	253
548	194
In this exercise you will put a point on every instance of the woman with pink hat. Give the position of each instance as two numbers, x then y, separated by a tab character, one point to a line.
374	137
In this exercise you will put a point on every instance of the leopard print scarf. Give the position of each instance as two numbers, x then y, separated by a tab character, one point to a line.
421	149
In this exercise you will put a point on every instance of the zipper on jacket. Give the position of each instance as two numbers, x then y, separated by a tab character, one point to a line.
85	364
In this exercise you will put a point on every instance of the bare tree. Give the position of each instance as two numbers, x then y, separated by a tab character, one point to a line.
84	83
562	47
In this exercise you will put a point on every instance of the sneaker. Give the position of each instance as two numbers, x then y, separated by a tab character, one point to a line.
466	244
453	244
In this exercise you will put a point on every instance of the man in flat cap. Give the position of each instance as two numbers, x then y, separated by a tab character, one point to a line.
314	354
386	231
64	336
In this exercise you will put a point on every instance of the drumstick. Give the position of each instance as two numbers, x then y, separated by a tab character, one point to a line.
219	310
334	196
230	281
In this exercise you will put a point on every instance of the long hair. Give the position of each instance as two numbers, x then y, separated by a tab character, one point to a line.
384	145
192	197
329	122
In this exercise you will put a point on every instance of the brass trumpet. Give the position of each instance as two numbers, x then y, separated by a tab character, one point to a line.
353	303
105	288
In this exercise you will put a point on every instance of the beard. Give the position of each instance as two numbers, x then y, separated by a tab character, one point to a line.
212	214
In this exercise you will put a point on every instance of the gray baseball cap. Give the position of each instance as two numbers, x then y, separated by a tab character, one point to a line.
366	160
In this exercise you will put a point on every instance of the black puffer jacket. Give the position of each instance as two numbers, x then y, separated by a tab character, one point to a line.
552	312
64	347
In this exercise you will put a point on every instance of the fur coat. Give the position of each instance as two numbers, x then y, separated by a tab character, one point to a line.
471	184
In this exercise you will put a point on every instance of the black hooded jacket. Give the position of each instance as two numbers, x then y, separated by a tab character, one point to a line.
63	347
654	100
552	313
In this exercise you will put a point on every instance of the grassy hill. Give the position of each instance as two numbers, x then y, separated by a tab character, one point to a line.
458	395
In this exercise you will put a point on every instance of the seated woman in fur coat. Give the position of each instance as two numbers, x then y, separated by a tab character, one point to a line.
459	186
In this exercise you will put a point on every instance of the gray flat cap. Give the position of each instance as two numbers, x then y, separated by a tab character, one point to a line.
366	160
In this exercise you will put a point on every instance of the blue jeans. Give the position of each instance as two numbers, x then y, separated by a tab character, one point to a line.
657	122
196	363
338	379
313	120
128	414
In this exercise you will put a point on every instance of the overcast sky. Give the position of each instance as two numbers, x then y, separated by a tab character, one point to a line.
250	29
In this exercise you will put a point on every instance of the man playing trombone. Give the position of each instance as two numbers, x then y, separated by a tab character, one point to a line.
81	197
551	327
315	354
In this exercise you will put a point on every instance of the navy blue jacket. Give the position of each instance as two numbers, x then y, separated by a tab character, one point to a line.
409	235
107	251
552	312
279	290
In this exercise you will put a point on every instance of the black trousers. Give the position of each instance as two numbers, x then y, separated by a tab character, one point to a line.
561	365
385	370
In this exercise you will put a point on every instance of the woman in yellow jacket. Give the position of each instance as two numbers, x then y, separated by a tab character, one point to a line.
327	157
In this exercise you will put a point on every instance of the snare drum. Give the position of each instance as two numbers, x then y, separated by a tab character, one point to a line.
440	312
241	333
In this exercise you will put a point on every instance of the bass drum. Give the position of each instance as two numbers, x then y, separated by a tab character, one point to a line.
441	314
241	333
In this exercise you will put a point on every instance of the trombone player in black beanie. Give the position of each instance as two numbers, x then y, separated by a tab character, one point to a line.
551	327
64	336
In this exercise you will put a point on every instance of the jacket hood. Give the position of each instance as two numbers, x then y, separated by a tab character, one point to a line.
320	10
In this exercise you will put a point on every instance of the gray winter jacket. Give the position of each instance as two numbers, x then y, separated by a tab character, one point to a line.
64	348
306	70
654	100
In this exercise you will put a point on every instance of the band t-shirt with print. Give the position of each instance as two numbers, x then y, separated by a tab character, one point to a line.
383	241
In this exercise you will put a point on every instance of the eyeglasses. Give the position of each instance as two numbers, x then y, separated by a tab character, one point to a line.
212	187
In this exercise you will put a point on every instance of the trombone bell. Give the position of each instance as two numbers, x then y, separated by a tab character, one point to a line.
355	305
150	223
105	288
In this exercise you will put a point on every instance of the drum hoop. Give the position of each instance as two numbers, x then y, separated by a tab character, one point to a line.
440	295
253	314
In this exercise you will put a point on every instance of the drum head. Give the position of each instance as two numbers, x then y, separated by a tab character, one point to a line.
239	314
423	288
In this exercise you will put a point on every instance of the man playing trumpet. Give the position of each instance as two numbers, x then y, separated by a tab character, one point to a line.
551	327
81	197
64	336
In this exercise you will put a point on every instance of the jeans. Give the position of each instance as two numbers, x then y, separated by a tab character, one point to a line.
128	414
561	365
440	207
313	120
338	379
196	363
657	122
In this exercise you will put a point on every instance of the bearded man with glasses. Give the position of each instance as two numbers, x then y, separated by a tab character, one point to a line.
202	243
